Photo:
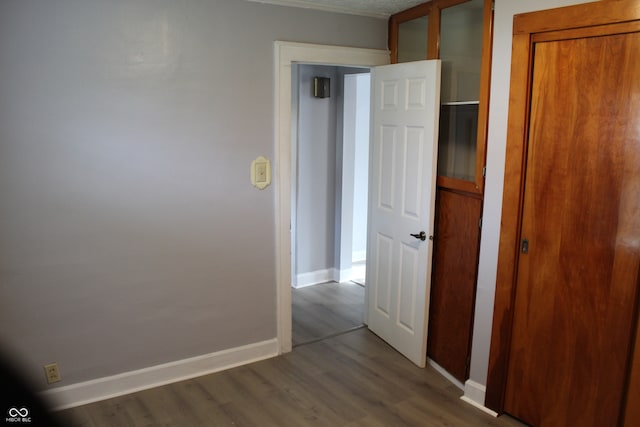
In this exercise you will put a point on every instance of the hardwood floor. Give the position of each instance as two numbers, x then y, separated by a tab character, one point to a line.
353	379
323	310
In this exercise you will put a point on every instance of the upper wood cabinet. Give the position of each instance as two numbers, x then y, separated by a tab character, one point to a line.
459	33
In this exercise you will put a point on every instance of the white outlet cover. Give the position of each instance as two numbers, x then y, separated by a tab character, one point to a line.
261	173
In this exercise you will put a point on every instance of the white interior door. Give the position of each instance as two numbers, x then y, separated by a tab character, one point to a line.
404	135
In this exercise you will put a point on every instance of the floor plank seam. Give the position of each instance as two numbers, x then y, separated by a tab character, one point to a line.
315	340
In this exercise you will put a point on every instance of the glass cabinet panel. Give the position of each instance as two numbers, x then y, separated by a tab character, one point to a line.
457	140
461	55
412	39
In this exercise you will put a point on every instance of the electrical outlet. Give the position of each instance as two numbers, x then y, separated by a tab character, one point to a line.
52	373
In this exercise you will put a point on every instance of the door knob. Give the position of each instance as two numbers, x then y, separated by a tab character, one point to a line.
422	235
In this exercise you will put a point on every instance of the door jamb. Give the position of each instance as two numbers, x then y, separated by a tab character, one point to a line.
286	54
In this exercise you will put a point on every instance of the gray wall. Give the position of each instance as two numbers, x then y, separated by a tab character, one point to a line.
130	234
319	169
316	171
498	109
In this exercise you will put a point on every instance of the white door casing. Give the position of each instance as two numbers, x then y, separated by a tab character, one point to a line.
404	129
285	55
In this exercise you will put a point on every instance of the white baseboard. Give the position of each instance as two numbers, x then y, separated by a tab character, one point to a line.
154	376
445	374
474	394
318	276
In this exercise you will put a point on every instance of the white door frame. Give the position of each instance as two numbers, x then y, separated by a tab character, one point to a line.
286	54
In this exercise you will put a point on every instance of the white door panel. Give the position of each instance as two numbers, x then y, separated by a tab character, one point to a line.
404	131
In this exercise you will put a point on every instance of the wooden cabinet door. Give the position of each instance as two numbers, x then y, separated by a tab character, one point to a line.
453	288
578	267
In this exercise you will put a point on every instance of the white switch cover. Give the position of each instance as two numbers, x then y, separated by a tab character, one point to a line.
261	173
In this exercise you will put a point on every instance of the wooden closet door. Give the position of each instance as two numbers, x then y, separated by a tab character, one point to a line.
578	268
455	266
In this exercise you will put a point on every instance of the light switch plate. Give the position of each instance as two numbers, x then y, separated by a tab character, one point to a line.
261	173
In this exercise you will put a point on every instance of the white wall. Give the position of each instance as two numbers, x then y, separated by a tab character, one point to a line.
349	131
345	228
361	167
355	173
130	234
498	109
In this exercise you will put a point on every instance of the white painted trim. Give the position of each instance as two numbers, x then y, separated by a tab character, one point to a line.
285	54
316	277
474	395
453	380
324	7
154	376
473	392
295	100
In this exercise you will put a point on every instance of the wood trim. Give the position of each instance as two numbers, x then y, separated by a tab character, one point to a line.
582	15
393	40
462	193
433	41
457	184
485	86
511	222
627	27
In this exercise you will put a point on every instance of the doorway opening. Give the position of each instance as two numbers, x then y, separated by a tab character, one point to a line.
330	162
286	54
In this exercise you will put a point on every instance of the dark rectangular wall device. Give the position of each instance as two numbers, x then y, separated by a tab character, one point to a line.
321	87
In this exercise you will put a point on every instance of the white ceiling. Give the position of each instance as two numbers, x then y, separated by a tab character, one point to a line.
374	8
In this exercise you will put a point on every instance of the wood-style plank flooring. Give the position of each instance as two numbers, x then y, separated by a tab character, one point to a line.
353	379
320	311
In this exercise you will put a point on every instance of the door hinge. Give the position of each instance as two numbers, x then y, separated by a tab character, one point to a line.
493	5
484	172
480	223
524	246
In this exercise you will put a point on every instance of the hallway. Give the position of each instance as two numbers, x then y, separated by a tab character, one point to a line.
326	309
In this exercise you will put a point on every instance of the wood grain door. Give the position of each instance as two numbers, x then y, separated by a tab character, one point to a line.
577	272
453	288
